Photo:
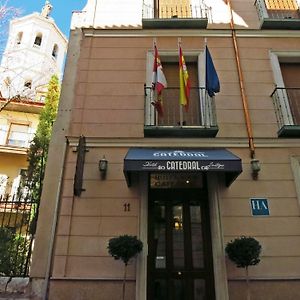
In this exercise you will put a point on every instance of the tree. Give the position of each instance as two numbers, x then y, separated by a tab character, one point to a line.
124	247
13	251
7	13
32	183
244	252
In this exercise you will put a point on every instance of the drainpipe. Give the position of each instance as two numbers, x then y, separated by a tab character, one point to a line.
241	82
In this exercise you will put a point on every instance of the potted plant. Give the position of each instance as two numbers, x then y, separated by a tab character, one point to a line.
244	252
124	247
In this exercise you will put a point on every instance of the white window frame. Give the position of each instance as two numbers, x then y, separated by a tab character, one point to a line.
25	141
205	103
276	57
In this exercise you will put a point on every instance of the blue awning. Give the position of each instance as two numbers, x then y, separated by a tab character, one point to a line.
182	160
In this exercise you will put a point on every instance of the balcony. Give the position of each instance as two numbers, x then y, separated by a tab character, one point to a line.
199	121
15	140
287	108
183	15
22	104
278	14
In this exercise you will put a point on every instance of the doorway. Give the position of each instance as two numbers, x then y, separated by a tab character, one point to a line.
180	265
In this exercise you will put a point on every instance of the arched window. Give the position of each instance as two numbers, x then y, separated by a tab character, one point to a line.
55	51
28	84
19	38
38	39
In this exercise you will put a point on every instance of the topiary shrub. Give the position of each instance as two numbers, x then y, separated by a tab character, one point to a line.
124	248
244	252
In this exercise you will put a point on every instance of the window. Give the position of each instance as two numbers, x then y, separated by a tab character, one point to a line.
38	40
55	51
174	9
278	14
28	84
174	14
19	38
286	71
199	120
282	8
18	135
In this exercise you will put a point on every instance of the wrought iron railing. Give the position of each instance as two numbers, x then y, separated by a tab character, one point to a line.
14	138
277	9
153	11
287	105
201	111
17	228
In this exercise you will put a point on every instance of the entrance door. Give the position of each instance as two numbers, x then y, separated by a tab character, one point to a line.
180	256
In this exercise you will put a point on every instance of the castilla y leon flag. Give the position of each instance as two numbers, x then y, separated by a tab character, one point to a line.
184	82
159	82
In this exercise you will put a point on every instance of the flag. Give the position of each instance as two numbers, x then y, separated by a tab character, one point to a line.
212	84
159	82
184	82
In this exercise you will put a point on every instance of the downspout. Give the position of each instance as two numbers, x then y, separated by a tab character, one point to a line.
241	83
53	228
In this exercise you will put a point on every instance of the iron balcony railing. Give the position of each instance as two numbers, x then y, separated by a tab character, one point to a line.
287	105
14	138
278	9
155	10
201	112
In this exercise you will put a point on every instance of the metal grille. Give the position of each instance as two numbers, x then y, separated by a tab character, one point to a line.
278	9
201	112
286	105
17	228
178	9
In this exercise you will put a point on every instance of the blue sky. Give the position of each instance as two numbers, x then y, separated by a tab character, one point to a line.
61	12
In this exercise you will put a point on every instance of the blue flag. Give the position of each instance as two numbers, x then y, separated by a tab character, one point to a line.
212	84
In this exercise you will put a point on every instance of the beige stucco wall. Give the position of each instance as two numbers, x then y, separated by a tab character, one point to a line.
104	99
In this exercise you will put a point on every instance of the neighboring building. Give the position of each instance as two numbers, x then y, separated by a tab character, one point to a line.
35	51
186	183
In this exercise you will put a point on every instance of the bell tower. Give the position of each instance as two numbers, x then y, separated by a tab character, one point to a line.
35	50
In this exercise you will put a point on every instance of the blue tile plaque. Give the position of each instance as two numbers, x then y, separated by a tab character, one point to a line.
259	207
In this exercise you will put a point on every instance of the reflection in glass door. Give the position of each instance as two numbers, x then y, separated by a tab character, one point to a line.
179	259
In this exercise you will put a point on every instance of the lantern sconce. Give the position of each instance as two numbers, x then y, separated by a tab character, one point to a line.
103	167
255	166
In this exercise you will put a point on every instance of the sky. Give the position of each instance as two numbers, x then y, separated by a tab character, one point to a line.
61	12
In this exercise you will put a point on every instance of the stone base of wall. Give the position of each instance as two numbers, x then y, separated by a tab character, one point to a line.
14	288
265	289
90	289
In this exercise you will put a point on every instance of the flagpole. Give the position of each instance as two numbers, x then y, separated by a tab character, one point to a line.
154	94
180	106
206	117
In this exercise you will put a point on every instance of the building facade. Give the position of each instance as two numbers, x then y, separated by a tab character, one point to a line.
185	182
35	51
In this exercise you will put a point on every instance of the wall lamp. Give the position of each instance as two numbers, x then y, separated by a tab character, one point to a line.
255	167
103	167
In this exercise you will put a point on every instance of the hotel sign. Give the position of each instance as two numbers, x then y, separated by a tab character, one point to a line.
259	207
179	165
182	160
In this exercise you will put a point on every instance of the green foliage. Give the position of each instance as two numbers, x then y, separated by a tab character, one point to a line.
13	253
244	251
38	150
124	247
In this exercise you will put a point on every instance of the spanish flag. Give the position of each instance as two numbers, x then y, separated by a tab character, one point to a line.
184	82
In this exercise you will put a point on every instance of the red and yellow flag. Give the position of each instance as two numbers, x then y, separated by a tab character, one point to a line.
159	82
184	82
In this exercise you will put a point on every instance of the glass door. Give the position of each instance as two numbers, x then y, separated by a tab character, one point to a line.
179	259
